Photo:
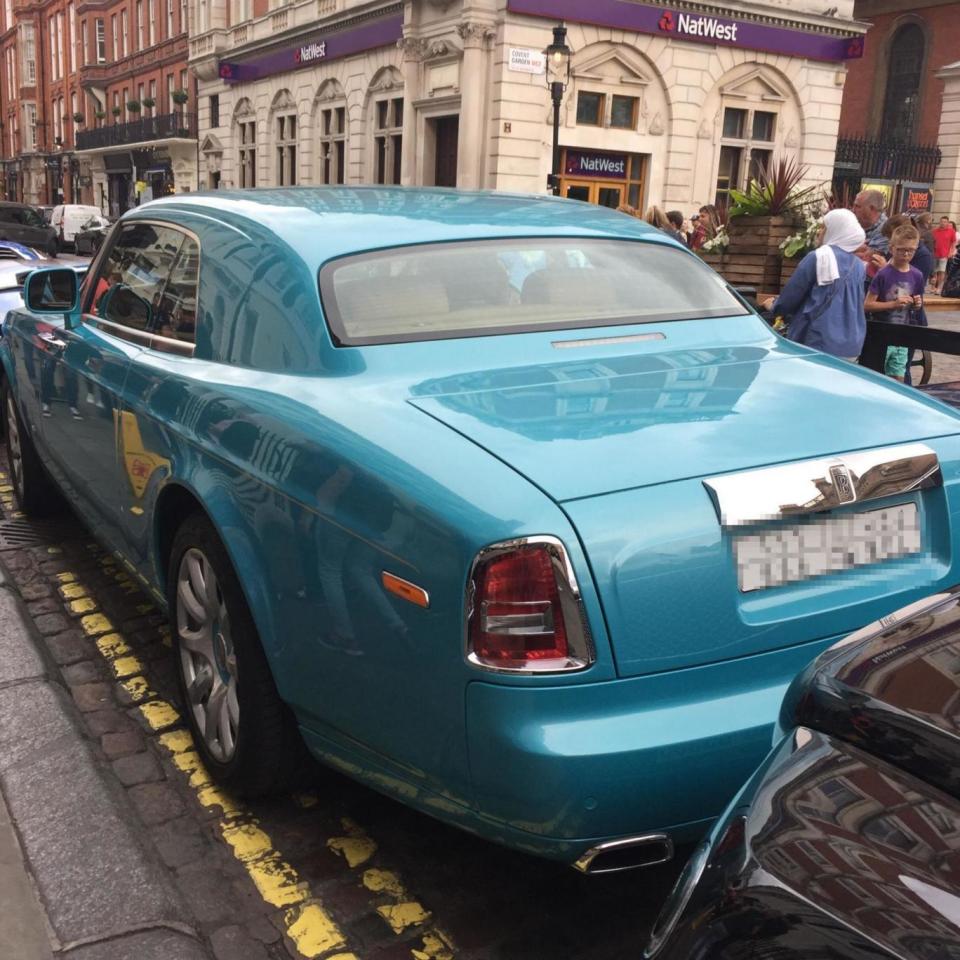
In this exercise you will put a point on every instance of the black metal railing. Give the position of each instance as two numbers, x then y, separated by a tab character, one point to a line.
162	127
857	157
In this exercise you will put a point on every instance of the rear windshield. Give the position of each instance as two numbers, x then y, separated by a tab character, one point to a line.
486	287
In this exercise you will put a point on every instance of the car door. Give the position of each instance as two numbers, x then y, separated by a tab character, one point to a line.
34	232
120	315
156	382
11	224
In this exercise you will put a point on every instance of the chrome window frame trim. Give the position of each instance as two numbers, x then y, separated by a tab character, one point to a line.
142	338
571	605
752	496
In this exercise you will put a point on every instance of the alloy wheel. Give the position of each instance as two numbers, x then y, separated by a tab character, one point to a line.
207	657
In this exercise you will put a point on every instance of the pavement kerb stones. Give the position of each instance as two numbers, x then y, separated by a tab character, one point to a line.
104	894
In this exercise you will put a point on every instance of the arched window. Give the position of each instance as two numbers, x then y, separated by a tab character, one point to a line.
330	119
283	115
245	128
900	106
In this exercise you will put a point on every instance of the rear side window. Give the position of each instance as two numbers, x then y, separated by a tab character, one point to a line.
487	287
147	284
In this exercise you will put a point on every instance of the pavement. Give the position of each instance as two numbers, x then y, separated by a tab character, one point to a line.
75	877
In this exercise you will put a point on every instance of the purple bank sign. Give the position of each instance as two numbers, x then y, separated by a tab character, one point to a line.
695	27
328	46
590	163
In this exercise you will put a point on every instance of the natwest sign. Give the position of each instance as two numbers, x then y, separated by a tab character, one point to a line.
707	28
591	163
775	36
309	52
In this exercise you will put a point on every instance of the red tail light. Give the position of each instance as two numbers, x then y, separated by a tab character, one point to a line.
524	610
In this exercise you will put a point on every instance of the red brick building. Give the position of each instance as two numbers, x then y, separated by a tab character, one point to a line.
96	102
899	98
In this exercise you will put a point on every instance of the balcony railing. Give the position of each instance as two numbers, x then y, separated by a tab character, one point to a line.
137	131
886	161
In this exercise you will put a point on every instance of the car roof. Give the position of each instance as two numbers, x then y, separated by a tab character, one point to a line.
324	222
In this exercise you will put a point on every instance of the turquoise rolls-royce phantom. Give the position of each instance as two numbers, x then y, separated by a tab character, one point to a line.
508	506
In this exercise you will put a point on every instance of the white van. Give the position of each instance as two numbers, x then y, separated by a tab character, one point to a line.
68	218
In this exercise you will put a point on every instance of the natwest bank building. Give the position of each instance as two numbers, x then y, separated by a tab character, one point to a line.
668	104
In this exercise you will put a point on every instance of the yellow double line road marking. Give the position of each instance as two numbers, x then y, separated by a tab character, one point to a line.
308	924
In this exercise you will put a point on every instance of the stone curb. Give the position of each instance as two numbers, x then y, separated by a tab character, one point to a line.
105	895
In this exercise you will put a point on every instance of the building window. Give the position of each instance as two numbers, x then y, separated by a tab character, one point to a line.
388	139
124	32
84	43
72	35
183	79
151	111
623	111
29	65
126	109
242	11
286	150
904	72
248	153
333	144
152	21
590	108
8	11
138	14
746	148
116	37
215	110
101	41
56	63
30	127
183	16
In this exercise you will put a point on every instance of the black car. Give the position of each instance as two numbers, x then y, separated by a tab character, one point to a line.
846	842
24	224
89	238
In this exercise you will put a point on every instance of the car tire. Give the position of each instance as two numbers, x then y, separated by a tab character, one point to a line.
35	492
244	732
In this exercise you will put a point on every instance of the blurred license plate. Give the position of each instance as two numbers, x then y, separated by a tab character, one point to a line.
770	558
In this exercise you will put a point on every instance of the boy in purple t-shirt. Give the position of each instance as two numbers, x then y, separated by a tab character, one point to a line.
897	292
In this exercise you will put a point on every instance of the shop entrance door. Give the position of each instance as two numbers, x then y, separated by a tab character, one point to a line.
447	131
577	190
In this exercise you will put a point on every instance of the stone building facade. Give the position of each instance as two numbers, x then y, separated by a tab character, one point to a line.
87	100
434	92
665	104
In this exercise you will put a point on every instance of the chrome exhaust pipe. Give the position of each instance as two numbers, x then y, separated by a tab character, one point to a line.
614	856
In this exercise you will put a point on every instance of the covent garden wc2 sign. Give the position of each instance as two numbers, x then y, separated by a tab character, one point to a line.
696	27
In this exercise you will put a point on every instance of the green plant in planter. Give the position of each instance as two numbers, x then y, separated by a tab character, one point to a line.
133	106
99	114
149	102
78	118
116	111
776	192
180	97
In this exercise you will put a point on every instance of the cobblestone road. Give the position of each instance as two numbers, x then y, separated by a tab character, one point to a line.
334	871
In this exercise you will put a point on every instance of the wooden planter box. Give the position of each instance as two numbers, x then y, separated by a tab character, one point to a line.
752	257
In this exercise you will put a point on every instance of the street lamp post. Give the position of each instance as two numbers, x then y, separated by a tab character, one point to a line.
558	76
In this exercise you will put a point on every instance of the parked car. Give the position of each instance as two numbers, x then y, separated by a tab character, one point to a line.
89	238
68	218
508	505
24	224
46	212
846	843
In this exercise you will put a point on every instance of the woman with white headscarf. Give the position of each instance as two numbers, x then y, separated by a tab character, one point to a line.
824	297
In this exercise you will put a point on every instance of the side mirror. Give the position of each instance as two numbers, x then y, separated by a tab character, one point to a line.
52	290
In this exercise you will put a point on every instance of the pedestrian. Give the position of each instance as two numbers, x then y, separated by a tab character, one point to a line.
657	218
824	297
896	293
705	226
868	206
924	223
945	247
676	226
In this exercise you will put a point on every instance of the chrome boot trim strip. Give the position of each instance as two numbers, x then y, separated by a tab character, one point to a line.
812	486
